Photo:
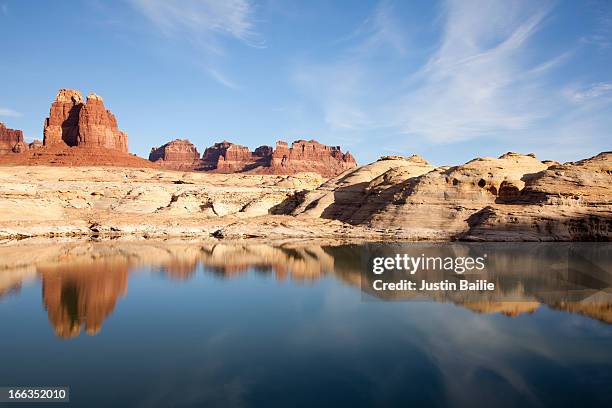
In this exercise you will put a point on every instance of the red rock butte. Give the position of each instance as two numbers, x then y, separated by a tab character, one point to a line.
76	123
227	157
76	133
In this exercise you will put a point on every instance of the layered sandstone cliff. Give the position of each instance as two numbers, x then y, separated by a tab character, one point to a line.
309	155
227	157
514	197
74	122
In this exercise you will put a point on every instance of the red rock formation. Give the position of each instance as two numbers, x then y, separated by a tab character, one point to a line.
62	125
98	126
226	157
77	133
36	144
310	156
9	138
177	155
74	123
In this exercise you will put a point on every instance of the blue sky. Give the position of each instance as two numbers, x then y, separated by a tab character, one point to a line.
449	80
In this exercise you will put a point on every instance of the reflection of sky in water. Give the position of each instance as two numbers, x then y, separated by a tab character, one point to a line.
255	341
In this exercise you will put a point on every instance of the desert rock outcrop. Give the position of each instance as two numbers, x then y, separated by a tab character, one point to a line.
77	133
227	157
511	198
177	154
9	138
309	155
74	122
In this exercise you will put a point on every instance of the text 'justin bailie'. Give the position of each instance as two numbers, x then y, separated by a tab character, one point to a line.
412	264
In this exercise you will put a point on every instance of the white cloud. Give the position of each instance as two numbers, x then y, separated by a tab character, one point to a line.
594	91
9	113
222	79
486	77
199	17
204	23
346	87
479	81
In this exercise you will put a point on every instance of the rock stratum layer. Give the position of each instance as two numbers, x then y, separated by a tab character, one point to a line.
511	198
227	157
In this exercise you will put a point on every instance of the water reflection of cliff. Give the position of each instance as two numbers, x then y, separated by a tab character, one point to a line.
82	294
82	282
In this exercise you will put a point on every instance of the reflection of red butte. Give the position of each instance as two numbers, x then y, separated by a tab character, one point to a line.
85	294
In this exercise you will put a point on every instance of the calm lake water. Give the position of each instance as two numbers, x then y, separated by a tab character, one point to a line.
160	324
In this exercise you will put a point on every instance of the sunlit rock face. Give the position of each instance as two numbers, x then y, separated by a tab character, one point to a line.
514	197
75	122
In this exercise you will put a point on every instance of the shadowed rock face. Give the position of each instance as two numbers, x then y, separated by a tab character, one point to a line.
73	122
227	157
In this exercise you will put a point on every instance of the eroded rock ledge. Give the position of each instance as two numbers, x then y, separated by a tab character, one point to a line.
511	198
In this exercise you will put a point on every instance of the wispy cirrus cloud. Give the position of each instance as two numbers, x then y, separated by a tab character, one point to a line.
205	24
10	113
481	80
601	90
485	74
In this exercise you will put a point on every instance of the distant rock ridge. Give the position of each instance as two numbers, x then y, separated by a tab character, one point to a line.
179	154
74	122
11	141
9	138
227	157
